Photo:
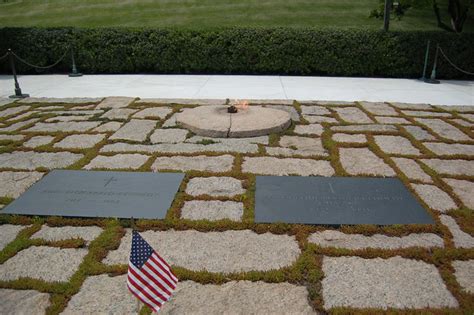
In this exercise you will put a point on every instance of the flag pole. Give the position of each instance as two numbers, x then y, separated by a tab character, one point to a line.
138	307
132	224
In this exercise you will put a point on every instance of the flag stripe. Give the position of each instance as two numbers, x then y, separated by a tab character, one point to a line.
155	257
150	264
139	294
150	274
140	280
151	281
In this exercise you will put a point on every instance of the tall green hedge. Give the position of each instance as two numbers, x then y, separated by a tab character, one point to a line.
240	51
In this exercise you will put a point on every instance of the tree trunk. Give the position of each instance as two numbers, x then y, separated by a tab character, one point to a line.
458	14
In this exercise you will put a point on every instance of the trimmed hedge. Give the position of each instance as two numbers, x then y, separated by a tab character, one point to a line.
240	51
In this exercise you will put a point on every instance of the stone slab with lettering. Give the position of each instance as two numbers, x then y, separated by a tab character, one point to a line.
336	201
99	194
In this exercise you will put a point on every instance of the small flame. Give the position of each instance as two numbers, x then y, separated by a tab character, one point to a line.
242	105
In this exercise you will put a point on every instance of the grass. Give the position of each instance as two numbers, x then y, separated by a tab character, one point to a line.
211	14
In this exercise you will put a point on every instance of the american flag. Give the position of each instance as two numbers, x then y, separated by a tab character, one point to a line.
149	278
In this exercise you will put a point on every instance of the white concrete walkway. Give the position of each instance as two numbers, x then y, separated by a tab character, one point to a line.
244	87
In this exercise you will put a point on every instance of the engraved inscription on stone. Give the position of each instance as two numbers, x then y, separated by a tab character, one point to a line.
336	200
99	194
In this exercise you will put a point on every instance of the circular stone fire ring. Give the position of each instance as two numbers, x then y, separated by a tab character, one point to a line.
216	122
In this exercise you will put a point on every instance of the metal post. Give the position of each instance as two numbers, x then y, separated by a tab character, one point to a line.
74	72
432	79
427	53
386	14
18	93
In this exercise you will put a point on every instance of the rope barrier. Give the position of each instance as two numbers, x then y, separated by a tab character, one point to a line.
4	56
40	67
452	64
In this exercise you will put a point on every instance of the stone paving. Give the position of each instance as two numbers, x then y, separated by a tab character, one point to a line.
226	262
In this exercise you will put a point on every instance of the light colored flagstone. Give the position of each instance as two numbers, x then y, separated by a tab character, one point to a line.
276	166
5	101
24	115
68	118
378	108
37	141
457	108
319	119
90	112
119	113
11	137
462	122
412	170
365	128
66	100
154	112
280	102
168	136
411	106
434	197
383	283
418	113
464	189
19	125
134	130
214	186
352	115
331	238
118	161
238	297
70	126
396	145
240	147
303	145
451	167
116	102
203	163
327	103
109	126
419	133
170	122
362	161
13	184
42	262
469	117
13	110
102	294
450	149
183	101
392	120
311	129
80	141
460	238
465	274
87	233
8	233
444	129
23	302
314	110
344	137
31	160
227	252
212	210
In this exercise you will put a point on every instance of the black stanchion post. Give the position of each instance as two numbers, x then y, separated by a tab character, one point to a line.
427	53
432	78
18	93
74	72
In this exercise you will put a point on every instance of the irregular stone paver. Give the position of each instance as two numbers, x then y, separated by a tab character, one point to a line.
212	210
391	120
228	141
109	126
396	145
168	136
319	119
463	123
366	128
68	118
231	251
457	108
19	125
328	103
31	160
13	111
42	262
11	137
116	102
269	102
134	130
450	149
170	122
183	101
353	115
468	117
69	126
241	147
5	101
418	113
125	161
344	137
154	112
80	141
465	274
23	301
412	170
434	197
87	233
238	297
451	167
443	129
67	100
411	106
276	166
13	184
311	129
78	112
37	141
419	133
303	145
23	116
214	186
102	293
383	283
378	108
464	189
8	233
314	110
362	161
203	163
338	239
460	238
119	113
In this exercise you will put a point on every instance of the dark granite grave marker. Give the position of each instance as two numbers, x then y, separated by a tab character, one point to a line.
336	201
99	194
